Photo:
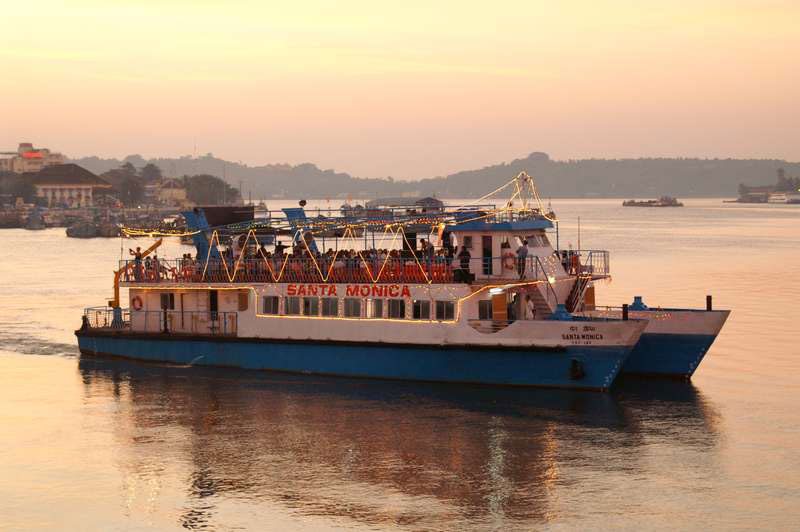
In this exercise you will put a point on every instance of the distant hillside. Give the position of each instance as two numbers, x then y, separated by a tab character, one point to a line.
575	178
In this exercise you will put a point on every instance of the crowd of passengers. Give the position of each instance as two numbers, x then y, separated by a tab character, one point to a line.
299	264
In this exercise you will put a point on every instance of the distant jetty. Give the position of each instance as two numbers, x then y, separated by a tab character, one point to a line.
663	201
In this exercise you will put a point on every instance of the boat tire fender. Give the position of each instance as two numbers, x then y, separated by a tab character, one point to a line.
576	371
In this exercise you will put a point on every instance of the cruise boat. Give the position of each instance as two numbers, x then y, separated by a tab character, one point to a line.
472	293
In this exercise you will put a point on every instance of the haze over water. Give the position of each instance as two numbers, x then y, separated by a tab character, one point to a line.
99	444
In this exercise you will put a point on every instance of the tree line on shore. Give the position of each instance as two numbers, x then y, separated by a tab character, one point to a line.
129	184
644	177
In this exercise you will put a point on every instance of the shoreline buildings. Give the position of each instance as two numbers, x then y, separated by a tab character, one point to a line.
67	185
28	159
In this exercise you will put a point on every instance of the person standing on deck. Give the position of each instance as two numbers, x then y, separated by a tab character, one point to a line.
464	256
530	309
137	263
522	257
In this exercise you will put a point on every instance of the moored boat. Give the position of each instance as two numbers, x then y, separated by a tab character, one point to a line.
790	198
663	201
35	221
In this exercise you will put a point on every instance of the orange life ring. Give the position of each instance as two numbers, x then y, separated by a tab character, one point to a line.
509	261
136	303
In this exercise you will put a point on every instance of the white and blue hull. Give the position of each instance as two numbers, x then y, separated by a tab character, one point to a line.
674	342
578	367
669	355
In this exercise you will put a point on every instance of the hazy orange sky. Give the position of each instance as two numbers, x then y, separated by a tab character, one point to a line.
408	89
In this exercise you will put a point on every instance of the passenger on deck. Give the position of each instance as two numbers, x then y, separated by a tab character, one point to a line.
574	263
148	268
530	308
564	260
430	252
522	258
464	257
137	263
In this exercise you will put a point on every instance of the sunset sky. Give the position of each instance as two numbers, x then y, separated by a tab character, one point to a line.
408	89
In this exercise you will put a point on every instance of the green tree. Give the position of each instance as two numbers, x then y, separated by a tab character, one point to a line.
150	173
128	168
131	191
17	187
207	189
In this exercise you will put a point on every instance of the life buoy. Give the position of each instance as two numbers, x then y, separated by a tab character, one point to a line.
509	261
136	303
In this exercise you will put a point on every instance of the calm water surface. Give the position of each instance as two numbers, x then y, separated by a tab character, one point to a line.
103	445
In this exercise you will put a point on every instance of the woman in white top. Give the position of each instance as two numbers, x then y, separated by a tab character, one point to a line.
529	309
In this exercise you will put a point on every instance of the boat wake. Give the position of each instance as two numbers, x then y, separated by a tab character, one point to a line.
19	339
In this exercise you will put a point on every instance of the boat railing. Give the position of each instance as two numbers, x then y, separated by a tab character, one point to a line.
106	318
542	272
589	262
291	270
199	322
359	269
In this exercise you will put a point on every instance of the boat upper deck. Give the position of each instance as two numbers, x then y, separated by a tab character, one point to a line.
365	268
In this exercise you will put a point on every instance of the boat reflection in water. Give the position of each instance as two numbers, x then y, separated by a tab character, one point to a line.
359	452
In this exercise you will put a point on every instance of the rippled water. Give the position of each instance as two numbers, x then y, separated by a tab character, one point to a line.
98	444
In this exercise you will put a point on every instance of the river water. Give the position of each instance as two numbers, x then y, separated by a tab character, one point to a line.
104	445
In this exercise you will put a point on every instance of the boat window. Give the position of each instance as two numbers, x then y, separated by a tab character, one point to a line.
352	307
468	242
422	309
311	306
271	304
292	305
445	310
330	306
213	301
538	241
167	301
244	299
488	263
485	309
397	309
375	308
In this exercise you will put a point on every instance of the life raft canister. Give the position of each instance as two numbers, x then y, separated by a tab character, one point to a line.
509	261
136	303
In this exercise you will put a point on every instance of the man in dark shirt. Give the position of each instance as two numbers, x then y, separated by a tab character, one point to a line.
522	257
